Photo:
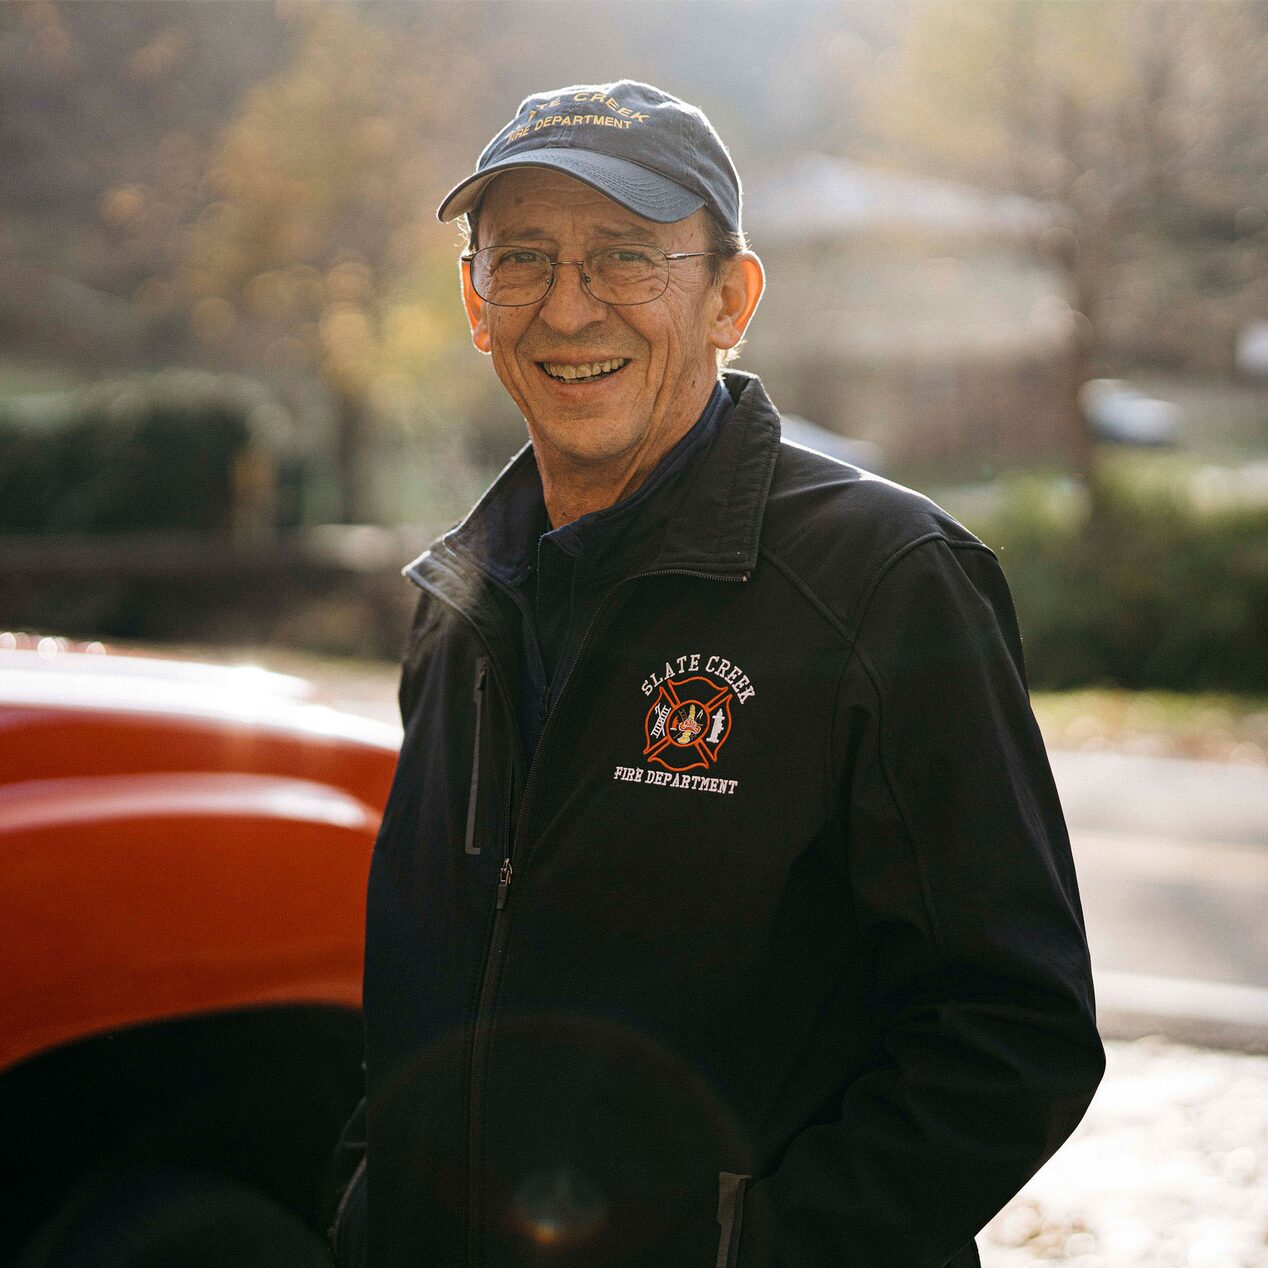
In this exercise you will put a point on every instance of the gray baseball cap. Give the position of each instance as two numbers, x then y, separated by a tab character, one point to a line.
655	155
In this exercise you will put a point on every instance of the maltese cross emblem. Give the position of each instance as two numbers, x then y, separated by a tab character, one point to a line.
688	723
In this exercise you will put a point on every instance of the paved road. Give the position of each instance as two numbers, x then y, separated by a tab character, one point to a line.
1173	866
1164	797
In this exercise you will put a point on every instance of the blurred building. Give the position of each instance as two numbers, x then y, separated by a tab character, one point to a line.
927	318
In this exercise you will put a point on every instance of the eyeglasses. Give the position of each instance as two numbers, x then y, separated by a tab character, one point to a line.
628	273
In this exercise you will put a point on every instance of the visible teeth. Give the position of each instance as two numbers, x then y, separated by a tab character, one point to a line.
570	372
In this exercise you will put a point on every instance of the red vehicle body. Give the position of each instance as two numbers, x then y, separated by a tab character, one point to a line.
185	850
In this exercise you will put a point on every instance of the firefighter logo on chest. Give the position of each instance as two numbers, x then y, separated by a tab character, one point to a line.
688	723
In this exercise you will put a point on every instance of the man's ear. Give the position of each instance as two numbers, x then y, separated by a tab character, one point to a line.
476	309
741	286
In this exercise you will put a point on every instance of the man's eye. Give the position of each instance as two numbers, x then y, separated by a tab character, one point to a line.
626	255
518	257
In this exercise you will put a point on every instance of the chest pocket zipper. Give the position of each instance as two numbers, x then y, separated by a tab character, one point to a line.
473	799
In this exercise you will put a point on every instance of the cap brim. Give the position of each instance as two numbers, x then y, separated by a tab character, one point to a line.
637	189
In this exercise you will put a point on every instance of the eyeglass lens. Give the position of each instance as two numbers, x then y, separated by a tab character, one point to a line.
621	274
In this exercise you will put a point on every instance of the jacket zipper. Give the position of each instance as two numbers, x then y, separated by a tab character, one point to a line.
482	1031
473	798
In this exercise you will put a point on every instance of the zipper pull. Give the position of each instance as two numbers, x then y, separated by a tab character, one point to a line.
504	883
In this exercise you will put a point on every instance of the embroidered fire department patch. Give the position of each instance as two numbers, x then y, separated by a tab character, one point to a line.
688	723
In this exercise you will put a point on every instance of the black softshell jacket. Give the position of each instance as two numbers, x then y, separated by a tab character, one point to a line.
774	955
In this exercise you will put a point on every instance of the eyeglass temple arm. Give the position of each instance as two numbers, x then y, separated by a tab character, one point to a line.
468	256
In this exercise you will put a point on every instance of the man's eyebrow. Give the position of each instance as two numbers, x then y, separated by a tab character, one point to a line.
624	233
614	232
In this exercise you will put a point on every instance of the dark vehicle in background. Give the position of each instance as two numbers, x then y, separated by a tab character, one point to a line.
184	853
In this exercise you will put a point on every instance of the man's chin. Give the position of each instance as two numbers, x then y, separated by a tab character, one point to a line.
577	453
581	440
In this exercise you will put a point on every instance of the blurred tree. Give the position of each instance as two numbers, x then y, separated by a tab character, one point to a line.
87	90
316	250
1134	117
106	112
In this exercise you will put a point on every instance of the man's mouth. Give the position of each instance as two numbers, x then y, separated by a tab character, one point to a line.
586	373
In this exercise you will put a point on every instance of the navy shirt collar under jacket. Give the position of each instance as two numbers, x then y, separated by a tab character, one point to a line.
591	529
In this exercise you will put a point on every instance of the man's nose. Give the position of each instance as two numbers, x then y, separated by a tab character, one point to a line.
568	306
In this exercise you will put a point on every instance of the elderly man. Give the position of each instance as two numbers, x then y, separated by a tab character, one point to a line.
723	912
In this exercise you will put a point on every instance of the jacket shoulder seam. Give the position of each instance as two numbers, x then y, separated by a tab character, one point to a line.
901	553
847	625
786	570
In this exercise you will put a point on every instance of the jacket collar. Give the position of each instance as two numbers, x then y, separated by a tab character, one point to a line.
707	520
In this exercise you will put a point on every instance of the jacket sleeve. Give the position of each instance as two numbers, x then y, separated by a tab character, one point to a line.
964	891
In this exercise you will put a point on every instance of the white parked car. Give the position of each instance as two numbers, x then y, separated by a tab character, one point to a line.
1124	415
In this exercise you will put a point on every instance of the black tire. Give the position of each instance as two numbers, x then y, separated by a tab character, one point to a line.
175	1219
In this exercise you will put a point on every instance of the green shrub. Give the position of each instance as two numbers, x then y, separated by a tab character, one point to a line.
1141	590
150	452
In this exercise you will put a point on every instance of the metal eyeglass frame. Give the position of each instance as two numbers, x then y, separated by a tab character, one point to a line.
468	257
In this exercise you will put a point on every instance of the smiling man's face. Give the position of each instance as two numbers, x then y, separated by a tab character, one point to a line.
623	419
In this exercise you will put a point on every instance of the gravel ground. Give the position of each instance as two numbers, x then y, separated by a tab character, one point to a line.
1168	1170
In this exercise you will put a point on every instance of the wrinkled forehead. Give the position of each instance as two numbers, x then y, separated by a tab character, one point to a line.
529	203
